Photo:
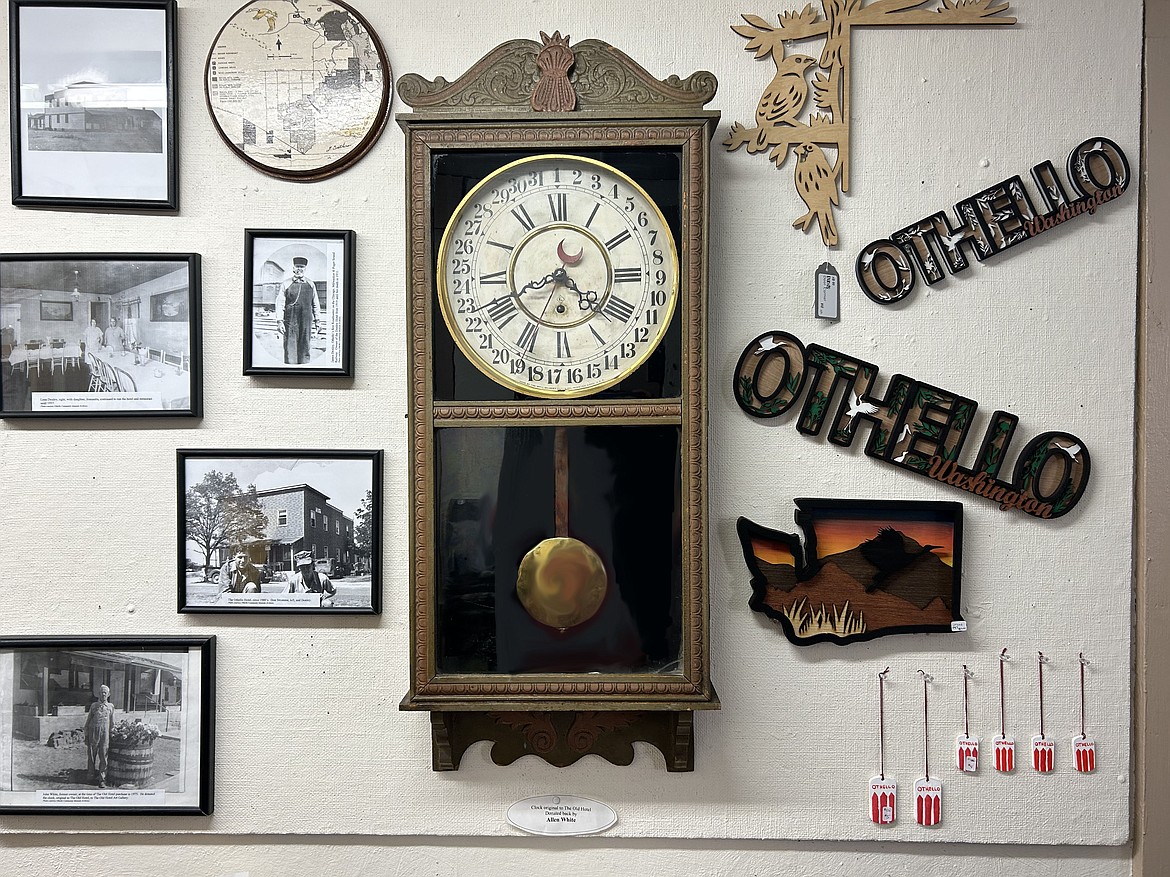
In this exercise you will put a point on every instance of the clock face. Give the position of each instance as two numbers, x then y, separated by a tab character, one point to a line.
557	276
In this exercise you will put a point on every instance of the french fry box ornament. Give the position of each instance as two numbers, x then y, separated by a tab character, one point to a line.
967	749
1005	754
966	746
928	790
928	801
1084	747
1003	745
1043	747
883	791
883	800
1084	754
1042	752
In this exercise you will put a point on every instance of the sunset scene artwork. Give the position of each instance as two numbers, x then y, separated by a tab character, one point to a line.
859	569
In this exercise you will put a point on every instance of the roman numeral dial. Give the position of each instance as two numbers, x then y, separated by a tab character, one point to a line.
557	276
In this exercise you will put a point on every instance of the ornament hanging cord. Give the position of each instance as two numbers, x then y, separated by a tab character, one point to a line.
1081	657
966	703
1040	662
926	677
1003	657
882	723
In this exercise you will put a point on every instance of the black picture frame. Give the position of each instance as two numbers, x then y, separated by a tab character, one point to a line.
51	314
268	257
36	715
267	527
134	130
155	370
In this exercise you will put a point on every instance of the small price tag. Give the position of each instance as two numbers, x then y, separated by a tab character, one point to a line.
967	753
828	293
1043	749
928	801
1005	754
1085	753
883	801
958	626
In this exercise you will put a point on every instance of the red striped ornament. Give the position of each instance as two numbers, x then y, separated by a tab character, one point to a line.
1085	753
1005	754
883	801
928	801
1043	749
967	753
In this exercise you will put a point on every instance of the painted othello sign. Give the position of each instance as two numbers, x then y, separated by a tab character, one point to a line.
992	221
916	427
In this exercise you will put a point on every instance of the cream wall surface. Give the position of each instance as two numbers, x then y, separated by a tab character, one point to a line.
1045	331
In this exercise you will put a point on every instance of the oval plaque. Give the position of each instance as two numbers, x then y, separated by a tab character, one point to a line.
561	815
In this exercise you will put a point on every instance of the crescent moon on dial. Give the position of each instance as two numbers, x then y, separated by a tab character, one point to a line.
565	257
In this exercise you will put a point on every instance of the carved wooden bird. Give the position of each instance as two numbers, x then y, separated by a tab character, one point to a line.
816	183
785	96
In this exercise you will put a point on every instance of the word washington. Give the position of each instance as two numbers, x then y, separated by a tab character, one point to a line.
992	221
917	427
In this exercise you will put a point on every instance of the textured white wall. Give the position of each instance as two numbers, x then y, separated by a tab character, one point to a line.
1045	331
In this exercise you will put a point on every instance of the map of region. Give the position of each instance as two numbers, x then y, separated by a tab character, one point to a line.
297	86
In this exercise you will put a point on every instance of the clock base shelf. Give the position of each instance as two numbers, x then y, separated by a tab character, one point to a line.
563	738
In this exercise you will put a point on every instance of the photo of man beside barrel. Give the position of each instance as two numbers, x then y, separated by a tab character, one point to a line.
90	719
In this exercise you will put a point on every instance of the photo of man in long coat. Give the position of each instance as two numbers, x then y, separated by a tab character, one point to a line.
297	314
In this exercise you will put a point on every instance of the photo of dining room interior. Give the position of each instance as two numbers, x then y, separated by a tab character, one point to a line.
95	334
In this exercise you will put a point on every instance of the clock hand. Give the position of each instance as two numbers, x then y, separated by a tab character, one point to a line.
538	284
534	286
587	300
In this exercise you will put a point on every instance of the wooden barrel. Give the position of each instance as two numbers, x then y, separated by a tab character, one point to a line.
131	766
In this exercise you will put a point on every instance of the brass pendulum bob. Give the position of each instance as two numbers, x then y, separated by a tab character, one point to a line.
562	581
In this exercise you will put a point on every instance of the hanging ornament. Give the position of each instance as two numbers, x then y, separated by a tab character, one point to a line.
1084	747
1005	746
883	791
928	789
828	293
966	746
1042	747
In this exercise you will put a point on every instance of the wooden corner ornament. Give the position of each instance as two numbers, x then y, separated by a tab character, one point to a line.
866	568
782	122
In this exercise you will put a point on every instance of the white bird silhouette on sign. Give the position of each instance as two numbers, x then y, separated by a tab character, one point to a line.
1072	450
905	433
767	344
856	407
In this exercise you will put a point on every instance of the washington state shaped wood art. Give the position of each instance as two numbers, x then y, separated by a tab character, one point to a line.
865	569
783	119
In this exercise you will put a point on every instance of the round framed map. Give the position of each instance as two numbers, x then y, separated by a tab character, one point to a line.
298	89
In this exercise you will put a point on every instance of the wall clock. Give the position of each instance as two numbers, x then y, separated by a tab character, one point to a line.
558	199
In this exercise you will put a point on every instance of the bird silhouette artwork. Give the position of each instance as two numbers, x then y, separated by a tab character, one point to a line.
784	99
784	121
888	553
863	569
816	184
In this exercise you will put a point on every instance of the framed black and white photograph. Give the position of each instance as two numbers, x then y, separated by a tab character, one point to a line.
93	104
107	725
280	531
299	298
100	334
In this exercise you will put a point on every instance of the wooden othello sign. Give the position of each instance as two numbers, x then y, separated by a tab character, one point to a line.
917	427
991	221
